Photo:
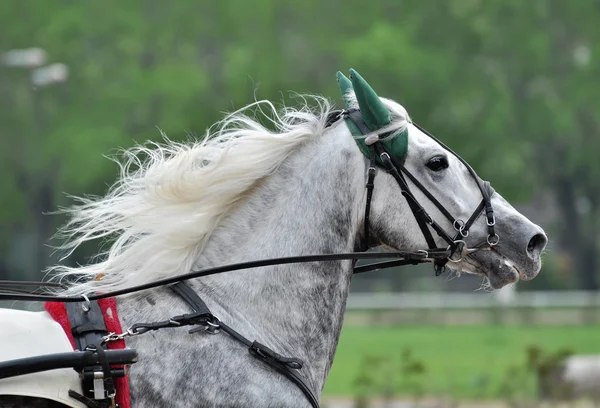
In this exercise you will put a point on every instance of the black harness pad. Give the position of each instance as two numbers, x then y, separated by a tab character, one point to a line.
87	327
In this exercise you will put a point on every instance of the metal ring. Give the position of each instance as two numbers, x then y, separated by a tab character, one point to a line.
212	328
87	305
458	224
459	241
493	240
455	260
208	322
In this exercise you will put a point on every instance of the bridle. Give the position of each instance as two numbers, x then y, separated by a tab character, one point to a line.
204	320
395	167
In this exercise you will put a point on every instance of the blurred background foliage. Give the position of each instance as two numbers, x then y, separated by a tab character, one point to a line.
511	85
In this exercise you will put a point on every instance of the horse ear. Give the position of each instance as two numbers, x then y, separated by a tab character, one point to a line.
345	86
373	111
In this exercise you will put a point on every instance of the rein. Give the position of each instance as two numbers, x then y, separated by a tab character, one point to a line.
402	258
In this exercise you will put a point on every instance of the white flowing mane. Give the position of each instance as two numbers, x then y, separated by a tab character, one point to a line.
169	197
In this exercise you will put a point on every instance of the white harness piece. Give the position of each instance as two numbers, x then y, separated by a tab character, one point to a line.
29	334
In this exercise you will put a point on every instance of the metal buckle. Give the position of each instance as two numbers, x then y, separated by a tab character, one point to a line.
492	223
428	218
99	391
212	328
371	172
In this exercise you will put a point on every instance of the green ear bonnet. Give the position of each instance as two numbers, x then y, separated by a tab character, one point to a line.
373	113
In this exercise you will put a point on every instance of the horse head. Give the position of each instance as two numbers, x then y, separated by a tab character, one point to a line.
452	206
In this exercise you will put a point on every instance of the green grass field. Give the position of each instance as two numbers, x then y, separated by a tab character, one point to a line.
459	361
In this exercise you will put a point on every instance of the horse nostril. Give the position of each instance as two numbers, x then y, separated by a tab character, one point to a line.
537	244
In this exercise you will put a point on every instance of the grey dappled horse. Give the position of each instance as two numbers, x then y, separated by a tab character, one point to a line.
249	193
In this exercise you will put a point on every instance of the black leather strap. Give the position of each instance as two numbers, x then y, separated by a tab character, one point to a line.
370	185
283	365
355	116
88	402
109	383
191	298
88	329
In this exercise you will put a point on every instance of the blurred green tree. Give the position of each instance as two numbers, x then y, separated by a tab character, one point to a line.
508	84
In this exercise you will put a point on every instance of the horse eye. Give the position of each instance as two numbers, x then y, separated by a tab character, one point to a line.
437	163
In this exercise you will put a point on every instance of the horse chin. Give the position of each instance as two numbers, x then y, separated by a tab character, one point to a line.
497	268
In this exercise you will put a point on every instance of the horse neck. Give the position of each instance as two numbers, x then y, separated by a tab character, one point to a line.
313	204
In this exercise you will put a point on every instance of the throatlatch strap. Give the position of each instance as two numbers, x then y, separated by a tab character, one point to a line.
370	185
284	365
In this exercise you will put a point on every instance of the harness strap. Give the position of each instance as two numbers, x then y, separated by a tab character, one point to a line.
109	383
370	185
88	330
87	323
355	116
427	193
283	365
191	298
88	402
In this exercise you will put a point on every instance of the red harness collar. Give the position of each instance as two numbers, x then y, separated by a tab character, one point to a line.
113	325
